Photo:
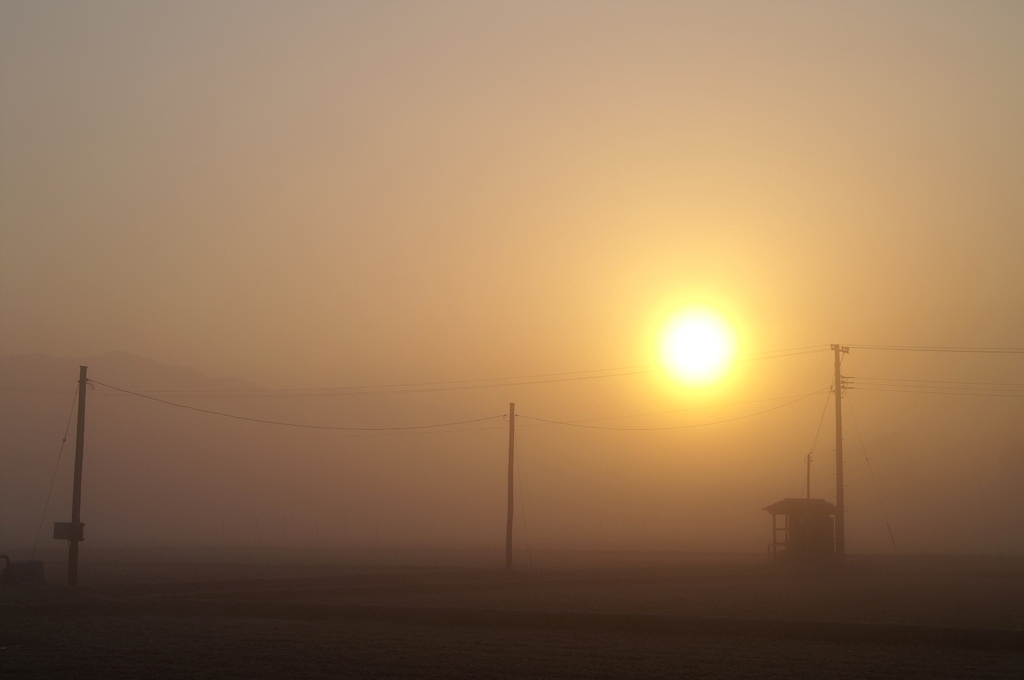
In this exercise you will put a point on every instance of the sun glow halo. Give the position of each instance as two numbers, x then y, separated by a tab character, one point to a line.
697	347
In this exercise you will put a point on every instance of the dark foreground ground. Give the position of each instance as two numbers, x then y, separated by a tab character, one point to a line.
712	618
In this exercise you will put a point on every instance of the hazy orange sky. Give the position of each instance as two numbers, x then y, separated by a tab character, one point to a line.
319	194
304	191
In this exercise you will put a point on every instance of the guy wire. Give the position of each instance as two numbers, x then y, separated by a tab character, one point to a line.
56	467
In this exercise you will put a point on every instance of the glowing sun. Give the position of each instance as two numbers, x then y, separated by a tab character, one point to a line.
697	347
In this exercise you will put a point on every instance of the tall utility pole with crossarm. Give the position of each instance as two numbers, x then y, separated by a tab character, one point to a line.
72	531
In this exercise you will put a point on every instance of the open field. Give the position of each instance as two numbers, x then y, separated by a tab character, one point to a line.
933	617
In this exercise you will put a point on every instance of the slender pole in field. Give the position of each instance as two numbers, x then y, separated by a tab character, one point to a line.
511	457
76	498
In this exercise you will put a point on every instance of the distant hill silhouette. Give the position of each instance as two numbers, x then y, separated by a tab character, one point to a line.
159	475
36	394
28	371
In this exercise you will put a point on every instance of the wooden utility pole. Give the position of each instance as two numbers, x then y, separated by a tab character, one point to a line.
511	470
840	506
76	498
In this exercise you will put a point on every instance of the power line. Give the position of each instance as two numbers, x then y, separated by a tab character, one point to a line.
670	427
961	350
934	382
402	388
256	438
364	391
938	386
948	392
690	408
479	383
953	389
39	390
287	424
780	354
399	433
581	375
790	350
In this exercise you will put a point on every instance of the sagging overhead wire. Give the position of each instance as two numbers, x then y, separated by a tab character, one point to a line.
949	391
326	437
582	424
941	387
404	388
955	350
288	424
703	407
475	384
410	388
474	429
41	390
973	388
781	353
915	381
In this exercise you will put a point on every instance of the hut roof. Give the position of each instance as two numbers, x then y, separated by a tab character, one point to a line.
802	506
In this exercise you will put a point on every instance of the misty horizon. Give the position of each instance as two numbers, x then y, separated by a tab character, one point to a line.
303	200
260	486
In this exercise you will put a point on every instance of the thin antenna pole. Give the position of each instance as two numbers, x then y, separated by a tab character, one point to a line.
76	496
511	492
840	505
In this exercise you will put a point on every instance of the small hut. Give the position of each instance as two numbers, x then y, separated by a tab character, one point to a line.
807	529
